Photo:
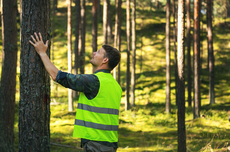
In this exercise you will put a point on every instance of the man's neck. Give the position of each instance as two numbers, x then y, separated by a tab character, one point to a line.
99	68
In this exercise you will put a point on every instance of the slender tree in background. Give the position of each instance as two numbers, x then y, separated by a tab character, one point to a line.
168	79
34	104
94	25
3	54
189	55
117	37
105	21
55	2
181	79
69	35
133	79
174	48
83	25
109	23
128	54
8	77
196	54
210	52
76	50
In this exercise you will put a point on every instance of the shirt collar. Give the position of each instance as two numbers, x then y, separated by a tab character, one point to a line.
102	70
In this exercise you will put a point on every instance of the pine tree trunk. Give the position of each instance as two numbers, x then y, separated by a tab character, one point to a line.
189	55
3	54
119	37
109	23
128	54
34	104
168	79
210	52
105	21
196	53
83	25
181	78
133	79
69	38
8	77
76	50
94	25
175	50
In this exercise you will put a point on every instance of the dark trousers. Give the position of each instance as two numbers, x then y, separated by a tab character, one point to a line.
92	146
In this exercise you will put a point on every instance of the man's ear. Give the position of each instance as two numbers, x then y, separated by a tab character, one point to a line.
105	60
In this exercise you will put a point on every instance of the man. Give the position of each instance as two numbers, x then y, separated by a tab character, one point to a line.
97	116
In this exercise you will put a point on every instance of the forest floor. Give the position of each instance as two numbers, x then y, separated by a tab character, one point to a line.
146	127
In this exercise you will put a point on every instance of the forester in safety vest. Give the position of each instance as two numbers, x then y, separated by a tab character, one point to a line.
97	116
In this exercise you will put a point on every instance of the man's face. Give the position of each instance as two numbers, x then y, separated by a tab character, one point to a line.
98	57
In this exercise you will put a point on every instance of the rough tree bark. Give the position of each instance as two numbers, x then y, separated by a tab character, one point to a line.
181	79
34	104
8	77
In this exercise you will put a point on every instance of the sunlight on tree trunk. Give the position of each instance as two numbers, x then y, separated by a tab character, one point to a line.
196	53
128	54
168	79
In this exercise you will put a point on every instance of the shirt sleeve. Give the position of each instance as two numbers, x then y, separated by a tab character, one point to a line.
86	83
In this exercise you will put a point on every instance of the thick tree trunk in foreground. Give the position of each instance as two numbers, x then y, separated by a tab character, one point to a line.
34	104
8	77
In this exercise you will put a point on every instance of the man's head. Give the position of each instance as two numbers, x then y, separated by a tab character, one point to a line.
106	57
113	55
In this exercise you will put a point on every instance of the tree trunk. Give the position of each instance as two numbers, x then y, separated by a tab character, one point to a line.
175	50
133	79
128	54
3	54
55	2
34	104
8	77
83	25
168	79
210	52
119	37
109	24
105	21
116	35
94	25
196	37
189	55
181	79
76	50
69	35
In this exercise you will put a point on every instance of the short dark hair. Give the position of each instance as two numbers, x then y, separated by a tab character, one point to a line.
113	54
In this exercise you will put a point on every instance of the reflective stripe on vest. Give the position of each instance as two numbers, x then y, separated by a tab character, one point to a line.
96	126
97	109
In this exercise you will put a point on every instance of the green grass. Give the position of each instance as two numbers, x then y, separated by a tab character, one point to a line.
146	127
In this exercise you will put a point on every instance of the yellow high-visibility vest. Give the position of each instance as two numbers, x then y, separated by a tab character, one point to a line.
98	119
